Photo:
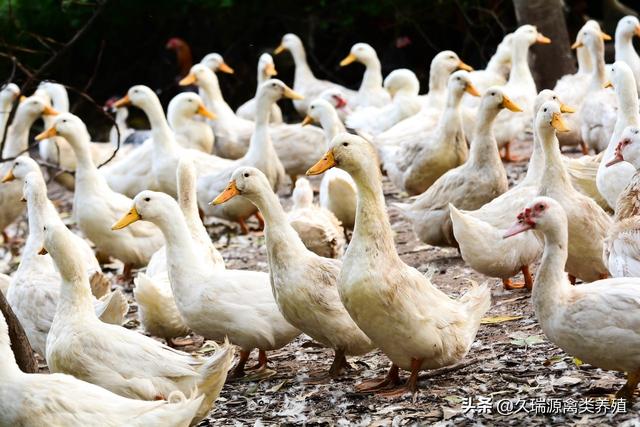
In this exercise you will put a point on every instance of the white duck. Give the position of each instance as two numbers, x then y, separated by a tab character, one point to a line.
214	302
96	206
403	86
433	103
371	93
612	180
8	95
157	308
598	111
56	150
165	150
266	70
232	133
304	82
597	322
261	155
521	88
469	186
17	143
35	286
318	228
190	133
628	27
118	359
303	283
337	189
419	162
496	71
59	399
215	62
575	88
414	323
479	232
589	223
622	249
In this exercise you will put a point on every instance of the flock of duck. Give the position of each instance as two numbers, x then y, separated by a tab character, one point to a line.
145	208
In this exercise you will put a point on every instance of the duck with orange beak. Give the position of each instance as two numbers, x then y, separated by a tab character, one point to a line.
469	186
96	206
416	325
266	70
371	92
589	223
17	143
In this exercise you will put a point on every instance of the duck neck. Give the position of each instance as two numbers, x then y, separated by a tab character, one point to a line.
372	228
372	78
598	74
484	148
18	134
520	71
536	163
38	209
585	64
163	138
283	242
75	294
300	60
86	169
260	141
210	89
182	253
438	81
331	126
624	45
554	174
551	282
450	123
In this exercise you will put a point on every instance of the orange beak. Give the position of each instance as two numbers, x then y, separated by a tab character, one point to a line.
279	49
225	68
510	105
307	120
49	133
471	89
189	80
577	44
229	193
202	110
542	39
605	36
324	164
122	102
558	123
607	84
564	108
9	176
48	111
466	67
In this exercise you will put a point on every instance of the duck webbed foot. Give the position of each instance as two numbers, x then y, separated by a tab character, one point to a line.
411	386
390	381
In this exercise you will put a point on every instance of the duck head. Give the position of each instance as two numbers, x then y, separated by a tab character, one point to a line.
628	149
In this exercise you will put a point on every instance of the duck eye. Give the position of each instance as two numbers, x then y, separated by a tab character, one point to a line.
345	144
493	94
246	174
273	85
545	110
541	207
147	199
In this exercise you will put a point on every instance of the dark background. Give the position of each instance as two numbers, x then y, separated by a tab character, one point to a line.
125	44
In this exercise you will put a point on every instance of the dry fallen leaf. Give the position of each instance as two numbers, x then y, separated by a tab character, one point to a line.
498	319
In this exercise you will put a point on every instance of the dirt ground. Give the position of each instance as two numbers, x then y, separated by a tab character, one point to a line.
512	375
